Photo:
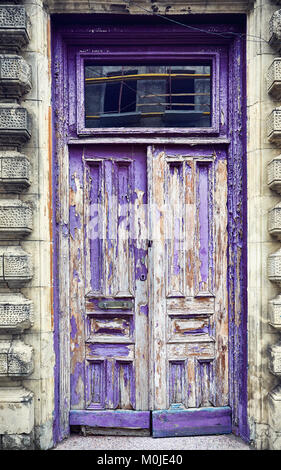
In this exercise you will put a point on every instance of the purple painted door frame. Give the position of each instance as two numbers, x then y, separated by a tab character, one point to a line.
219	33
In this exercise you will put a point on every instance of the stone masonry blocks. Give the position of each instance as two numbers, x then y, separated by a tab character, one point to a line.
274	312
274	221
18	441
14	28
275	359
16	410
275	409
15	219
274	174
15	125
15	172
275	30
15	266
274	126
16	313
274	79
15	76
274	267
16	359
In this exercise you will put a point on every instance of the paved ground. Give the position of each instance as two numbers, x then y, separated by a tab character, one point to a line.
226	442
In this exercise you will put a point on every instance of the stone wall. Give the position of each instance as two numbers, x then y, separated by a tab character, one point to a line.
26	324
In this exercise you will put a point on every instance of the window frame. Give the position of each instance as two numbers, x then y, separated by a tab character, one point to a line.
118	58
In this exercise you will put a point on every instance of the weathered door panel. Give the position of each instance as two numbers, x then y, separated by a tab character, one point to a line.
109	316
188	258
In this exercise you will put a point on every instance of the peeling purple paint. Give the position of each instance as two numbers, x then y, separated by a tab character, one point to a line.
76	275
144	309
74	378
74	221
65	230
73	327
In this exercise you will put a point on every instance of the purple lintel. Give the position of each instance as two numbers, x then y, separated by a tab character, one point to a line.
111	419
192	422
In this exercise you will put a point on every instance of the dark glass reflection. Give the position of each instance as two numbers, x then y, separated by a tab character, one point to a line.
148	96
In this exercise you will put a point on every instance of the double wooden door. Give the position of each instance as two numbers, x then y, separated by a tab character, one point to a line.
148	289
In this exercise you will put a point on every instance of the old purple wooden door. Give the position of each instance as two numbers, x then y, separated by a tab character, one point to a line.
189	292
108	276
148	270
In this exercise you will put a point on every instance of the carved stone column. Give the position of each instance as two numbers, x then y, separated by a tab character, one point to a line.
16	223
274	227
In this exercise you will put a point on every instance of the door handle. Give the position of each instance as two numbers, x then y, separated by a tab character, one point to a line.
115	304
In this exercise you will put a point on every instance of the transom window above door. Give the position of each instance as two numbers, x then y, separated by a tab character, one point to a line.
148	96
140	91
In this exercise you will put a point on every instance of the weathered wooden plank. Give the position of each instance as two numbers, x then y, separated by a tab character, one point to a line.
192	422
114	350
76	276
157	198
219	323
197	349
191	306
111	419
141	283
180	328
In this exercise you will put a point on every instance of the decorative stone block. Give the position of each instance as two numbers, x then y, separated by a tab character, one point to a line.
274	312
274	267
274	79
274	401
16	358
274	174
15	219
275	359
15	125
274	126
15	266
275	30
16	313
274	221
14	172
16	411
15	76
14	28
